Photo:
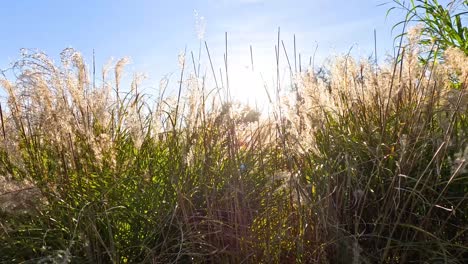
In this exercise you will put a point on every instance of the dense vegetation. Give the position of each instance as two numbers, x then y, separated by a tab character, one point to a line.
357	163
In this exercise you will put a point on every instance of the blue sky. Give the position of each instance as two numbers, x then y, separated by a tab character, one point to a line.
153	33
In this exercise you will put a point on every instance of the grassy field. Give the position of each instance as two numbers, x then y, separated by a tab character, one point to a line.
356	163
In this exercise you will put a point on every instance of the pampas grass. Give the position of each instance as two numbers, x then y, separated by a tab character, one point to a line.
364	164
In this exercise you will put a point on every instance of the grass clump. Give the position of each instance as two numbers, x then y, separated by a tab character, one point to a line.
357	164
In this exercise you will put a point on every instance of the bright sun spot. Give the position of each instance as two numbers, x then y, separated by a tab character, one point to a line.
247	85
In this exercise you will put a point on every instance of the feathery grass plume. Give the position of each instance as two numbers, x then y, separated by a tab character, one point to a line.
200	25
457	61
119	69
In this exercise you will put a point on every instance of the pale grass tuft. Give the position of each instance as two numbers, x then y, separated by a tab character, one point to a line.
457	61
119	66
200	25
181	59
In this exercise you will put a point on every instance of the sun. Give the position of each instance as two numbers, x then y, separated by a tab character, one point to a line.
247	86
